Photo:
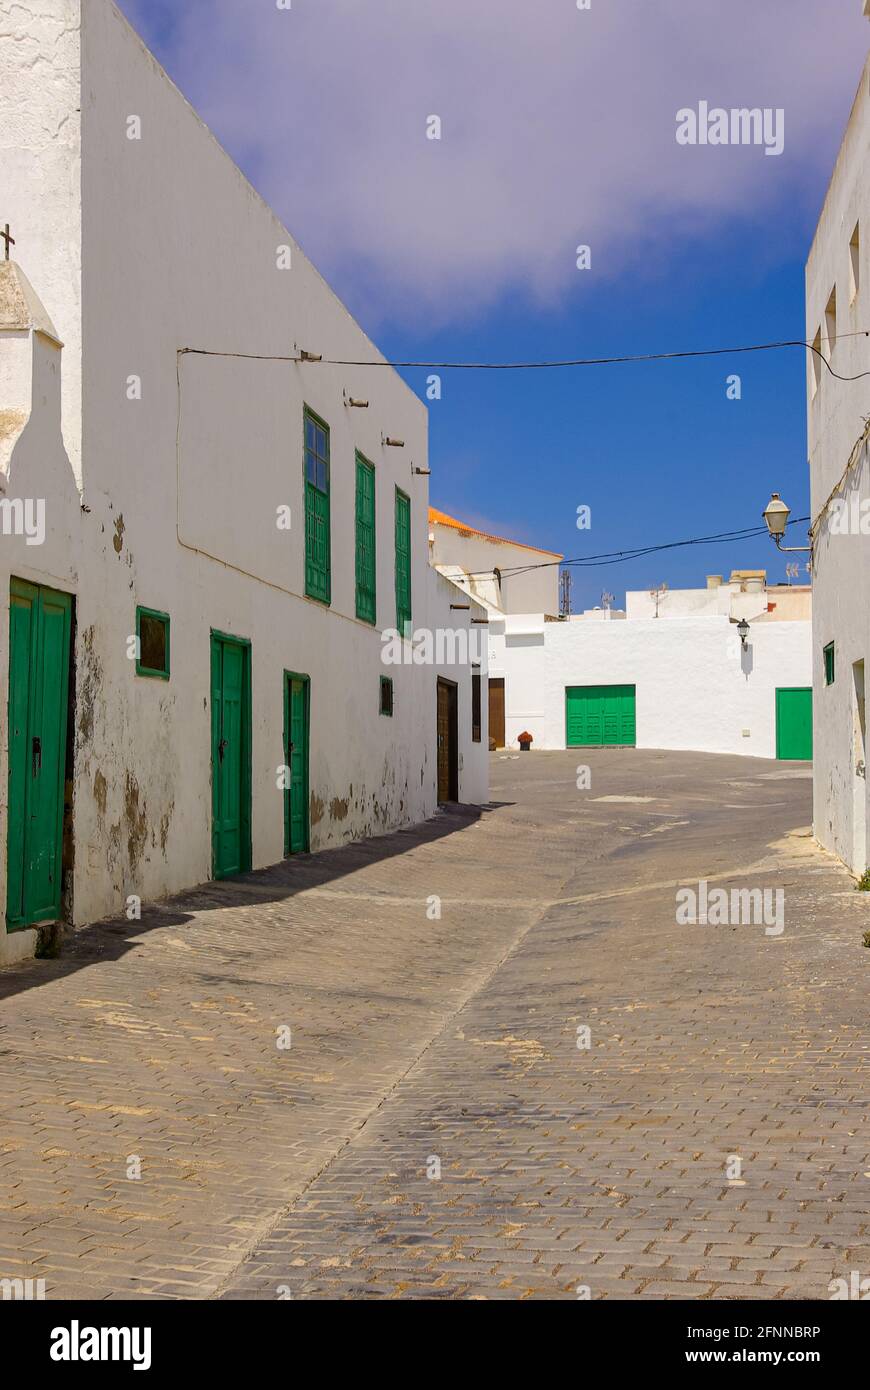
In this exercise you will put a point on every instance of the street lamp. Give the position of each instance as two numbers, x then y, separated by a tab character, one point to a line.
776	515
743	632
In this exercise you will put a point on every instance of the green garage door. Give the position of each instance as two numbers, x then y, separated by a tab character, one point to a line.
600	714
794	723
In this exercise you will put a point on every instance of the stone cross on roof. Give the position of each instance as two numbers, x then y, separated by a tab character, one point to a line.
8	238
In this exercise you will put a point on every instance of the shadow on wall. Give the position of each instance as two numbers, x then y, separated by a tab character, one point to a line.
112	938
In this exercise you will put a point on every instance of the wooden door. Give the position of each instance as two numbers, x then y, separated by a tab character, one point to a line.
794	723
496	712
600	715
231	756
296	740
39	693
448	750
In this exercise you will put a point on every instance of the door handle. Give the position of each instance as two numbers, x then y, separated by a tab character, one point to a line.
37	755
221	746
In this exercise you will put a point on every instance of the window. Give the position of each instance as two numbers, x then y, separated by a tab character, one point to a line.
855	263
403	563
366	596
829	664
475	705
318	580
152	643
831	323
816	363
386	696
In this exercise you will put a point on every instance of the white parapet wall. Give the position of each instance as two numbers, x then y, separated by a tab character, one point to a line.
696	687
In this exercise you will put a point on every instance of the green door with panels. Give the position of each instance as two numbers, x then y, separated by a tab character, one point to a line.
600	715
794	723
296	725
40	623
231	755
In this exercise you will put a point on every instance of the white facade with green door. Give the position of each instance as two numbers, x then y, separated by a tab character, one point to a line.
678	683
215	488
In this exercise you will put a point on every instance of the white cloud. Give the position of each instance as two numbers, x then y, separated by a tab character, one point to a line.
558	128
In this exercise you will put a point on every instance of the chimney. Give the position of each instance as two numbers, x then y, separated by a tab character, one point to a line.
714	581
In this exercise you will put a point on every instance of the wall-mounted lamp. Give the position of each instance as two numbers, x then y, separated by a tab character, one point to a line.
392	443
357	405
743	632
423	472
481	622
463	607
310	356
776	515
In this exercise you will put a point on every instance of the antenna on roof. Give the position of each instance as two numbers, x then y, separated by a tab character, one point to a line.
658	594
565	581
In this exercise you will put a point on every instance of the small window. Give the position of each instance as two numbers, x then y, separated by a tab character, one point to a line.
816	363
475	705
152	643
831	323
386	696
829	664
855	263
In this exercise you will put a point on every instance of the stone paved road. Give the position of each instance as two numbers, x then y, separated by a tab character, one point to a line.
269	1172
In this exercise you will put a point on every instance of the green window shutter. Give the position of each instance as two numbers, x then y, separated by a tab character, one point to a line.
366	593
318	577
829	664
403	561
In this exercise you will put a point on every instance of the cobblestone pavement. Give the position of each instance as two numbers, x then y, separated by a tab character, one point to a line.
421	1041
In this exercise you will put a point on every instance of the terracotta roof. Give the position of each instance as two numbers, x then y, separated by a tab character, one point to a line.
444	520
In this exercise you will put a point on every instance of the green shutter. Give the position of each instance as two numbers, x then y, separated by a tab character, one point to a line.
366	596
829	664
318	579
403	562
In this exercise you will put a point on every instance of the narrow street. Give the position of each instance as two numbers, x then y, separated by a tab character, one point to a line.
434	1128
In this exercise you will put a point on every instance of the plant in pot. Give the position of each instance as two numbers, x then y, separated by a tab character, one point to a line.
525	741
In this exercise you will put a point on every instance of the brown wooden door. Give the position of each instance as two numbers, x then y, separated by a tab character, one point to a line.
496	712
448	751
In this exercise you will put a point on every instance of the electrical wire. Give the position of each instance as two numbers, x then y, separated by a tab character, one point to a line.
548	365
618	557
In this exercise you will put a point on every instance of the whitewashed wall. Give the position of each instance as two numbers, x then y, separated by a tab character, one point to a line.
836	412
537	590
167	246
473	757
695	688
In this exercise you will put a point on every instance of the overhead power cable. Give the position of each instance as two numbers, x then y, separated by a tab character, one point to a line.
618	557
309	359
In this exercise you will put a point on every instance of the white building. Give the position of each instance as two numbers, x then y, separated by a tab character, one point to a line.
838	315
671	671
240	519
507	576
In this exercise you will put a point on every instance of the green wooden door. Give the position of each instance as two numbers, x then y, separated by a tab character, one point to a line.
40	623
231	755
794	723
296	726
600	715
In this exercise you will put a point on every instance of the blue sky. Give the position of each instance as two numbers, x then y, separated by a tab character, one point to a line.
558	129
